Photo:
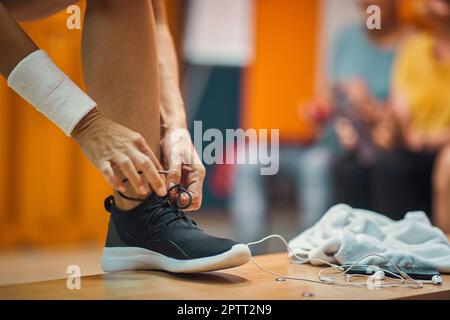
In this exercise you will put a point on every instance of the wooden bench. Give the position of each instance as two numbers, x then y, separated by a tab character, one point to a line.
245	282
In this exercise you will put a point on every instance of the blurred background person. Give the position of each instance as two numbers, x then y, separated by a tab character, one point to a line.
275	83
421	101
359	81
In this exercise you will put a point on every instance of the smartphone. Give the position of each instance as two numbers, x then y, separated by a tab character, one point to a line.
421	274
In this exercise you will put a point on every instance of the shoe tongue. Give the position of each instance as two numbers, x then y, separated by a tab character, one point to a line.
168	211
153	204
152	199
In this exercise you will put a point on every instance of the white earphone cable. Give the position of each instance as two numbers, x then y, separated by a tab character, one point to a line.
404	279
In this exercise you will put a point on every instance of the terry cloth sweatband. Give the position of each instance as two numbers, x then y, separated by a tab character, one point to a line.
39	81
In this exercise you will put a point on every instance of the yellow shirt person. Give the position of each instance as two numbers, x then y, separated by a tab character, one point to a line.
425	85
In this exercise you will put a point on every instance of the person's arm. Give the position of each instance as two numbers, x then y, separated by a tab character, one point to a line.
436	140
402	84
15	44
172	107
413	139
104	142
178	153
362	99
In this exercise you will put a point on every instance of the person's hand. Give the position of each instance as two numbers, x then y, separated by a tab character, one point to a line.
385	132
358	94
315	112
109	145
415	140
346	133
184	166
356	90
435	140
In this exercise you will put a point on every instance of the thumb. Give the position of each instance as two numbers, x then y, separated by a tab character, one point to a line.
174	173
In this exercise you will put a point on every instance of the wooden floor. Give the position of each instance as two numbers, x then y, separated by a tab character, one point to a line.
32	265
245	282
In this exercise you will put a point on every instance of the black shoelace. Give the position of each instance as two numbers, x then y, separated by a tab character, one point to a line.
160	210
163	206
179	190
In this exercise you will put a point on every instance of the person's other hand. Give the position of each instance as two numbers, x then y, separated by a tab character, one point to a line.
356	90
434	141
315	112
415	140
385	132
109	145
346	133
358	94
184	166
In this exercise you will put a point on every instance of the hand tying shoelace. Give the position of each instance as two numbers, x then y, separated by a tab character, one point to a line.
180	190
160	207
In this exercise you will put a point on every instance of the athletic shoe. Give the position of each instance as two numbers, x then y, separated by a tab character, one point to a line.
157	235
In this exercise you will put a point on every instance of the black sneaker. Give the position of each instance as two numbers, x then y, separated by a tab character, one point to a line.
157	235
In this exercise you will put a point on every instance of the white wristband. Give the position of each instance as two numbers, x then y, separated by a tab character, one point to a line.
39	81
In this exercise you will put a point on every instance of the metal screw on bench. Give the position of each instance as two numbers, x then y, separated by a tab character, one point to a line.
280	279
308	294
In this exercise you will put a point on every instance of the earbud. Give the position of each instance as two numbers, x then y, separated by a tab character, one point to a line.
436	280
372	269
379	275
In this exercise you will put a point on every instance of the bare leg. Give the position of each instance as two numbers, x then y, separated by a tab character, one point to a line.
441	190
120	67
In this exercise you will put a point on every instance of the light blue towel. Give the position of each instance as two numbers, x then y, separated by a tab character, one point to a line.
345	234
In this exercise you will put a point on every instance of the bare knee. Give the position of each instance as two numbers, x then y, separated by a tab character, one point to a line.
441	174
28	10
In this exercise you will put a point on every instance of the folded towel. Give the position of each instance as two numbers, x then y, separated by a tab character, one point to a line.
345	234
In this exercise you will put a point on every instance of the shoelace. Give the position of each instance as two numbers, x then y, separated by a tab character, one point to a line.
179	190
164	206
160	210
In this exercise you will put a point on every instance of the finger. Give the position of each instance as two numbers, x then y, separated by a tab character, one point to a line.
174	178
108	173
142	145
194	182
184	200
128	169
149	171
195	189
173	174
173	163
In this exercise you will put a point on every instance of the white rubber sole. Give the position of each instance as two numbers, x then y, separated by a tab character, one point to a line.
117	259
